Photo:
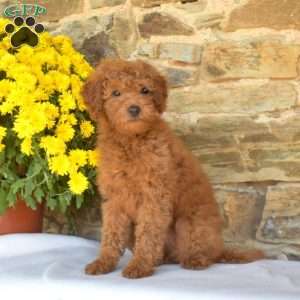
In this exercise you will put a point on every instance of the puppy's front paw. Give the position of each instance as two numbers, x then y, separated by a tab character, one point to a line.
98	267
137	270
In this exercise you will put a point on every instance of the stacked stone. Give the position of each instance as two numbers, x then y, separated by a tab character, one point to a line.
233	71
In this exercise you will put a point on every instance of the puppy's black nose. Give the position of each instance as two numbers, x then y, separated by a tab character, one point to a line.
134	110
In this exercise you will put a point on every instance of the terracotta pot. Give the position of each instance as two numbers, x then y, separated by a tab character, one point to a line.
22	219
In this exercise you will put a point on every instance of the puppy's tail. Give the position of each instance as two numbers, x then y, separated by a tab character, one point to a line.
238	256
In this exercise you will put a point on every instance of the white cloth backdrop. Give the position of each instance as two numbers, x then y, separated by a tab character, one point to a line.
42	266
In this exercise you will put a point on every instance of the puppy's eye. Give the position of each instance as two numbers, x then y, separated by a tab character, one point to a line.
145	91
116	93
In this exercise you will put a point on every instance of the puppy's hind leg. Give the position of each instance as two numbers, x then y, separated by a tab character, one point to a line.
198	244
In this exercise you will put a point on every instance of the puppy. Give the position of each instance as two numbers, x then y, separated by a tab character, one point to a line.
158	201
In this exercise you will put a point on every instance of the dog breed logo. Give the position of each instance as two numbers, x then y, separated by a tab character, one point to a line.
24	31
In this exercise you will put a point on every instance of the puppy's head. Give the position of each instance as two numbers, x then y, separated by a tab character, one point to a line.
130	95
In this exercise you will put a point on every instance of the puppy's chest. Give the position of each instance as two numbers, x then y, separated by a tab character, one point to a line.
131	175
133	172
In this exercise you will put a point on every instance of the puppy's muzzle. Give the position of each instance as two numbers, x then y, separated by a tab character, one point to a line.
134	110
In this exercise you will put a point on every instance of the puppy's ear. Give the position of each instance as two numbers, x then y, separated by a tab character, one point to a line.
160	92
92	93
160	85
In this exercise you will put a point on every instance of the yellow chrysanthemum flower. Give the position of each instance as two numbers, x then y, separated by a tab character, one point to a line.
80	103
51	113
67	102
53	145
78	183
65	132
93	157
2	132
30	121
61	81
64	64
39	95
87	129
17	71
47	82
6	86
7	61
2	135
68	118
81	67
5	44
25	54
76	84
78	157
27	82
26	147
59	164
11	101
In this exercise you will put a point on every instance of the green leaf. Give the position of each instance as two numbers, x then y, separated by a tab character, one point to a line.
30	202
49	180
11	153
51	203
65	201
8	174
29	187
79	201
15	187
39	194
2	157
3	202
11	198
68	197
34	168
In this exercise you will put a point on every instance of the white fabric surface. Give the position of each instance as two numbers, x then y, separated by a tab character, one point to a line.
41	266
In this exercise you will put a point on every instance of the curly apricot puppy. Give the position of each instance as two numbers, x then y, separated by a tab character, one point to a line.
159	203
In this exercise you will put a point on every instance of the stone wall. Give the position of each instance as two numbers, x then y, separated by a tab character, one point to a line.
233	68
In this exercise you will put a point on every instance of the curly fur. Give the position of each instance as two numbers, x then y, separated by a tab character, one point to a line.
158	201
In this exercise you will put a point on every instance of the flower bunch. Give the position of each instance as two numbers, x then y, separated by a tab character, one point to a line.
47	139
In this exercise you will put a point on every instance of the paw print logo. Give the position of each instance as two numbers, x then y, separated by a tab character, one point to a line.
22	34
